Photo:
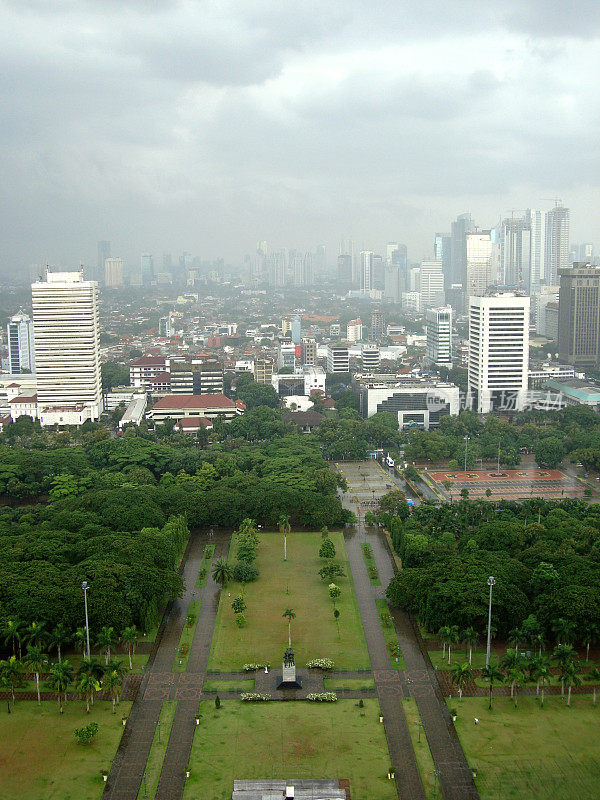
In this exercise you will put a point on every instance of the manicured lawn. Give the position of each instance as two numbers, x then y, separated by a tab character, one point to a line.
421	748
204	570
40	758
229	686
186	638
458	656
289	740
157	750
530	752
354	684
294	584
389	634
372	572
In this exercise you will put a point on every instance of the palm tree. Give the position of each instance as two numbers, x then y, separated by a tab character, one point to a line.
593	675
112	683
221	571
516	678
470	637
590	634
564	630
106	639
511	661
443	634
12	632
80	639
453	638
461	674
116	666
93	668
61	677
541	674
290	614
284	528
515	637
35	632
87	685
10	673
129	636
35	660
59	636
564	655
572	678
493	674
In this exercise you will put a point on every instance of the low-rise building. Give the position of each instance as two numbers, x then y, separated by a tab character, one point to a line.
211	406
338	358
143	369
417	402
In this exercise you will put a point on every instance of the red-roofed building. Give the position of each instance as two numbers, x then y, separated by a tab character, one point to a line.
193	424
211	406
143	369
24	405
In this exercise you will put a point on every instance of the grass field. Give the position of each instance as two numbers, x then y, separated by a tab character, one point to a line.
421	748
40	758
243	685
389	634
457	656
294	584
354	684
531	752
289	740
157	750
186	638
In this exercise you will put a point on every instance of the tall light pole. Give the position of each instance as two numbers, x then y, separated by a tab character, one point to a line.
85	588
466	446
491	581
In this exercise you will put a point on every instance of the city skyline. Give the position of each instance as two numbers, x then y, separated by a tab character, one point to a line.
205	127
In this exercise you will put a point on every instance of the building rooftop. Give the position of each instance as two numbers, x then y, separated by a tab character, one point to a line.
195	401
24	398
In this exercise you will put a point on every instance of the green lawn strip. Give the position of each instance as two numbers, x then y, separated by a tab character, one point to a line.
187	636
204	570
157	750
372	571
229	686
530	751
457	656
389	634
295	584
421	748
247	741
353	684
40	757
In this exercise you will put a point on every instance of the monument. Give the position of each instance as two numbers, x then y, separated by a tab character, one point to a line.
289	679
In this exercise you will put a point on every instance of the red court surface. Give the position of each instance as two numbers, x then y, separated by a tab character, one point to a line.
510	483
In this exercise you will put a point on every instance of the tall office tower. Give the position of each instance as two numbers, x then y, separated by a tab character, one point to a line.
147	269
347	249
458	248
579	315
197	377
431	284
276	264
390	249
370	357
537	248
366	270
296	269
377	273
67	348
165	327
296	329
393	283
308	352
308	269
439	336
479	264
442	251
498	352
113	272
338	358
21	358
354	330
344	269
586	252
557	243
320	260
103	254
377	326
263	370
515	253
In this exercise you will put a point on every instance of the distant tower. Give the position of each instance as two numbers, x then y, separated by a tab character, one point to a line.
20	344
103	254
147	269
113	272
557	242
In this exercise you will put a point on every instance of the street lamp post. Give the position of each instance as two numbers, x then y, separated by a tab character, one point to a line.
491	581
466	446
85	588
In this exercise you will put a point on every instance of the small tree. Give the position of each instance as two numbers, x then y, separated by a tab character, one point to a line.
86	734
112	683
129	637
327	549
336	616
239	605
61	677
87	686
59	636
35	660
470	637
453	638
493	674
290	614
10	674
331	571
461	674
217	702
221	572
334	592
80	640
572	678
107	638
593	676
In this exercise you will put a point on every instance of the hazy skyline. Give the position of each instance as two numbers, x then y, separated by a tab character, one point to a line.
167	126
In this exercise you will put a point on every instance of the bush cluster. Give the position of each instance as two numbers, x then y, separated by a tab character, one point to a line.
322	697
320	663
254	697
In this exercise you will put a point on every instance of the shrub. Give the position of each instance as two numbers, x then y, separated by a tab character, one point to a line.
254	697
244	572
327	549
253	667
246	552
184	649
373	573
320	663
85	735
240	620
217	702
322	697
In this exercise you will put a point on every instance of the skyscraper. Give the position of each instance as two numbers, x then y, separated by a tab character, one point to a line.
67	348
579	315
498	352
366	270
113	272
537	249
103	254
557	243
431	284
20	344
478	264
344	265
439	336
442	251
515	243
147	269
458	255
377	326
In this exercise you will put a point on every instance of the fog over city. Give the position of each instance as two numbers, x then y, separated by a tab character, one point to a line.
208	126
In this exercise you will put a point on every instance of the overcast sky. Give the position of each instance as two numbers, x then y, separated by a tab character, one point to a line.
205	126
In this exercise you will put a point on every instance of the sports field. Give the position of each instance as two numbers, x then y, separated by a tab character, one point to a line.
509	484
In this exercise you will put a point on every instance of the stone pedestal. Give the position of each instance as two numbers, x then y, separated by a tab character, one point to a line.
288	678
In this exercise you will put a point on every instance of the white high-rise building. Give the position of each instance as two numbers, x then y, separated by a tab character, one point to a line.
431	283
557	243
338	358
366	271
113	272
439	336
498	352
21	357
67	348
370	358
538	248
479	263
354	330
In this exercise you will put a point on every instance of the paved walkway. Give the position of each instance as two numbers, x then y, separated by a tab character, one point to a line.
159	683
